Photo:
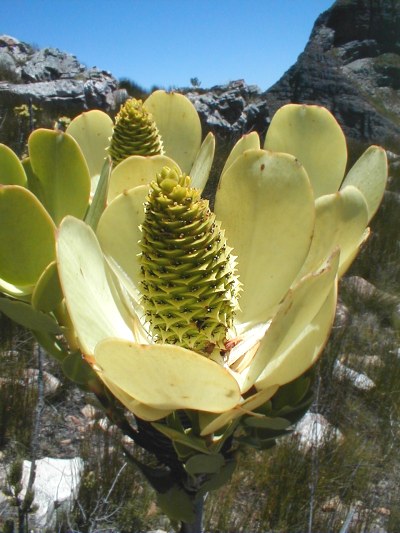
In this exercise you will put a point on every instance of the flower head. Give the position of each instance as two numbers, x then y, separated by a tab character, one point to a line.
154	294
135	133
174	306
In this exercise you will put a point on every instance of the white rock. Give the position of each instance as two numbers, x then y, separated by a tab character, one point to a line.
51	384
56	484
359	380
314	430
89	411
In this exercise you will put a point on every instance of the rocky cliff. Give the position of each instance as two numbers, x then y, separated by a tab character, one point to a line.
55	80
351	64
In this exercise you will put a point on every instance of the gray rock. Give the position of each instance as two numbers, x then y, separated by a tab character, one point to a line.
359	380
51	79
8	68
51	64
364	294
342	316
231	110
56	485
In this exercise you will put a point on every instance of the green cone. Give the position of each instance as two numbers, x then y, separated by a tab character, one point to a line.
135	133
189	285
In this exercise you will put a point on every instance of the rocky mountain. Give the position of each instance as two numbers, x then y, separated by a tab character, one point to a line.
52	79
351	65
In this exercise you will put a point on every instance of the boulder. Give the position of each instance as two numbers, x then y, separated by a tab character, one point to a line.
56	487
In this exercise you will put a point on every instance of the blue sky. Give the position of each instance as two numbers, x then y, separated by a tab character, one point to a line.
168	42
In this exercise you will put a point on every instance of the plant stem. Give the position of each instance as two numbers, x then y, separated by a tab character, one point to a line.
197	525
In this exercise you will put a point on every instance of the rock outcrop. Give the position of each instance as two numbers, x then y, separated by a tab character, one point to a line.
351	65
231	110
51	79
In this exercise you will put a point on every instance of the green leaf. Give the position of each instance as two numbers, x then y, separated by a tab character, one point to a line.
341	220
24	314
296	413
47	294
159	479
204	464
11	170
27	236
166	376
59	165
99	201
292	393
136	171
90	302
51	344
139	409
210	423
183	452
33	183
176	504
266	422
266	206
193	442
218	480
297	351
298	331
77	369
246	142
21	292
119	233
